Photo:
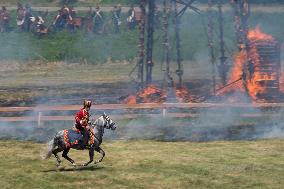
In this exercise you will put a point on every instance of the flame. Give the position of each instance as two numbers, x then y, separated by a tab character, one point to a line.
258	82
257	34
255	81
236	73
151	94
183	94
131	100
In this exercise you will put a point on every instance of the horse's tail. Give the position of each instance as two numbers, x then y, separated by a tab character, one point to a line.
50	147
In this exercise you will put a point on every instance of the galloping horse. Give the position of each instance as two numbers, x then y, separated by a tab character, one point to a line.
58	143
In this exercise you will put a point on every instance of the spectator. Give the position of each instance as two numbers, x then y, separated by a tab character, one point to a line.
4	19
27	17
89	20
98	21
131	23
116	18
20	17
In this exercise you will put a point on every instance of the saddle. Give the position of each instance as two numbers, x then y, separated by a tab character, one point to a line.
83	139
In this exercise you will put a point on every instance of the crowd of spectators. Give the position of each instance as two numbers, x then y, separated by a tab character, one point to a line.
93	21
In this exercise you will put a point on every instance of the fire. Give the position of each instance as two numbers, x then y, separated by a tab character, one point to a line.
257	66
131	100
258	82
183	94
236	73
257	34
151	94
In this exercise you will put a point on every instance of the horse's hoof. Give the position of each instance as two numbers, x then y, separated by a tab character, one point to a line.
74	164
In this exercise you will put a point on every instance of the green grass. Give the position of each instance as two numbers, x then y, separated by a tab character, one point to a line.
148	164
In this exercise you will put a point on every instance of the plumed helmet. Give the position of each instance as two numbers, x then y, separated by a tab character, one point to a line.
87	103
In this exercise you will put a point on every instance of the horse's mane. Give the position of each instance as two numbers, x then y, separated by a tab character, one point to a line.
99	121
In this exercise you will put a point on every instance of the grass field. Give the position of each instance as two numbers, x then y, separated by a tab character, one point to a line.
149	164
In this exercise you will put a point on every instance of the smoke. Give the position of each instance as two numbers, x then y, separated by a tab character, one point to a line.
30	130
215	123
25	131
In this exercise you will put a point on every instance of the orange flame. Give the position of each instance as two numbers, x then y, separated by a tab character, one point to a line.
151	94
257	34
183	94
236	73
255	81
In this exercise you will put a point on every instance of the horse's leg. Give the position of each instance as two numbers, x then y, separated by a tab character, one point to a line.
98	149
91	155
55	151
64	154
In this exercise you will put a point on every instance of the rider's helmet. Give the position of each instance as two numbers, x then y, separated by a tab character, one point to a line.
87	104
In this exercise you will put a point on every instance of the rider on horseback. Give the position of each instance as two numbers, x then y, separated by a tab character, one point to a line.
82	120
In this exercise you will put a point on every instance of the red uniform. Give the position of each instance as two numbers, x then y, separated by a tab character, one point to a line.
82	119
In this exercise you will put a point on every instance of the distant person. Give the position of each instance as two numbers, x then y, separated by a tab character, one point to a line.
62	18
27	18
58	22
4	19
89	21
71	18
38	27
20	18
116	18
131	22
98	21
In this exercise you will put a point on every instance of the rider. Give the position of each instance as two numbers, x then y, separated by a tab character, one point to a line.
82	119
4	19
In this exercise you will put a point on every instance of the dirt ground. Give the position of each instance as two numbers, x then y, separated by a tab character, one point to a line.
31	83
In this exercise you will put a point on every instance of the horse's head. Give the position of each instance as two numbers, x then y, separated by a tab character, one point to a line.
106	122
109	123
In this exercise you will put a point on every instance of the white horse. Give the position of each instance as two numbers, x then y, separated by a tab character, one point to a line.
58	144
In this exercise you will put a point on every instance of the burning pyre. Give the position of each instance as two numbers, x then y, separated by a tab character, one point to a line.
153	94
258	66
256	72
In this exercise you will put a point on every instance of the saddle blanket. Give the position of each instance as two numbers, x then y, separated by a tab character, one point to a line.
73	137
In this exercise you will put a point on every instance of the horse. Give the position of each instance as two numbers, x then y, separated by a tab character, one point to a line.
57	144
